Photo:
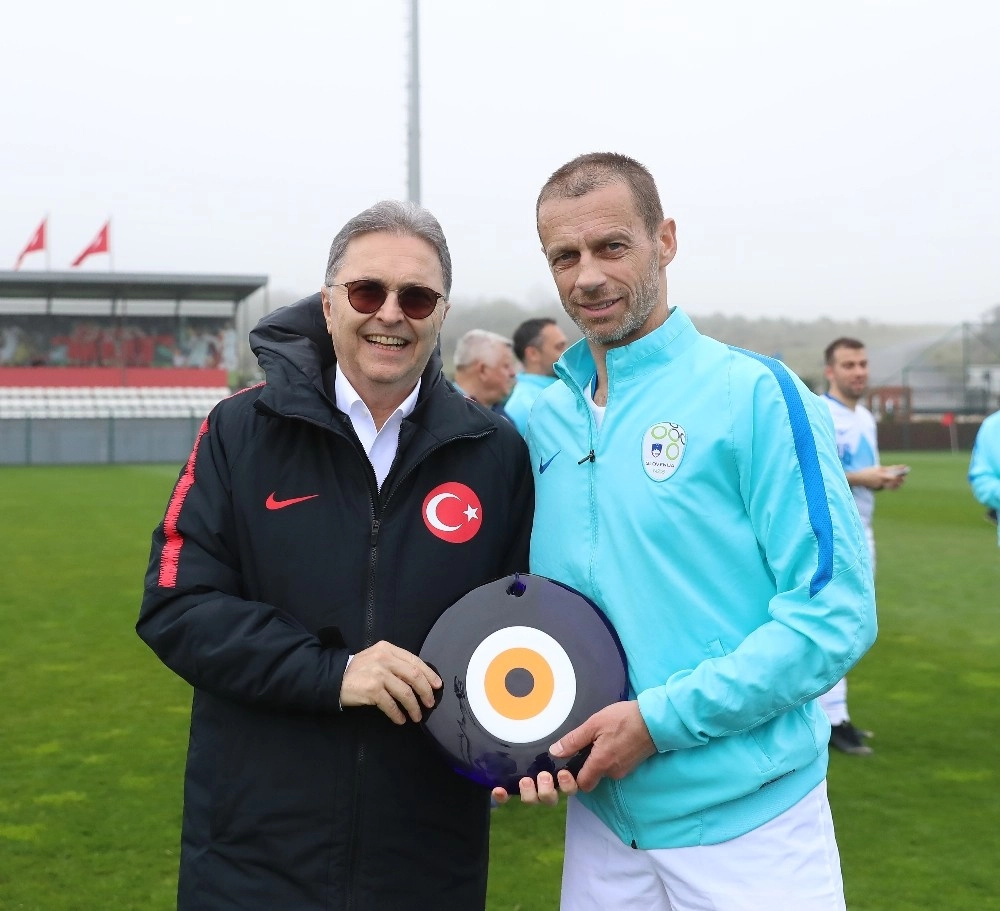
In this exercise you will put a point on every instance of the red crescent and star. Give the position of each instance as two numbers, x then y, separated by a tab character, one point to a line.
453	513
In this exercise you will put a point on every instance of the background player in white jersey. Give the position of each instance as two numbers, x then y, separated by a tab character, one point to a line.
857	445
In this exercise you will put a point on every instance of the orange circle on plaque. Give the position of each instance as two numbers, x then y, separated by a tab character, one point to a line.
498	693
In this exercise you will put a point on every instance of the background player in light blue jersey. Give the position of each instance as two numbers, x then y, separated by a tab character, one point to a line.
984	467
846	372
538	344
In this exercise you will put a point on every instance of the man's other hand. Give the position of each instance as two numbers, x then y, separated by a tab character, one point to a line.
541	792
620	742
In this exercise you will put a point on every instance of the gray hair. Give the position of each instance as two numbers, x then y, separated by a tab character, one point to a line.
477	346
393	217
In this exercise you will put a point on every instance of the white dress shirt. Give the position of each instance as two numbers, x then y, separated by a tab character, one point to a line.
379	445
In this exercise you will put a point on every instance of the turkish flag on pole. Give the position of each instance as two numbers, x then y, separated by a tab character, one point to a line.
100	244
36	243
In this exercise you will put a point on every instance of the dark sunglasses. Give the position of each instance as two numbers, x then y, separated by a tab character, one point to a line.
366	295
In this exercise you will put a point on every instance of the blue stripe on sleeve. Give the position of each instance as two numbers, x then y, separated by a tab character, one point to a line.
812	476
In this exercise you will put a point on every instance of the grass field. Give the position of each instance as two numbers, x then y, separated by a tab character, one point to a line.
93	729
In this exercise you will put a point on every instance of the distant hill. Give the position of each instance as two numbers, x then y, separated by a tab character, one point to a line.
797	343
800	344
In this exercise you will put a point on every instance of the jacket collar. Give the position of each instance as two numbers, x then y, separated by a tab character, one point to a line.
664	344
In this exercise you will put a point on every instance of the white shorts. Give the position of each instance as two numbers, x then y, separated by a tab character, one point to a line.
788	864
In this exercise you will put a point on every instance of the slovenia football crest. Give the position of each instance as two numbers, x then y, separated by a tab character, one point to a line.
662	450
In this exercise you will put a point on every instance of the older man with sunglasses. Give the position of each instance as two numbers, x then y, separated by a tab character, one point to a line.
323	522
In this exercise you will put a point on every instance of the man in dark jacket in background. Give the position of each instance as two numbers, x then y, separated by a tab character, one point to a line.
322	523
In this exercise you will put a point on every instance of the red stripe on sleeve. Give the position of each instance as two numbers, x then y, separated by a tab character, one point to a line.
171	554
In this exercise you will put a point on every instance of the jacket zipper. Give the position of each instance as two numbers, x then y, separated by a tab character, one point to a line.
359	770
359	756
626	818
626	822
590	460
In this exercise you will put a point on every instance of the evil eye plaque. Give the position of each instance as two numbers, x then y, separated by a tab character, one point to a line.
524	660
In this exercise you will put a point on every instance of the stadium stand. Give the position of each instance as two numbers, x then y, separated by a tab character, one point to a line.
109	401
105	367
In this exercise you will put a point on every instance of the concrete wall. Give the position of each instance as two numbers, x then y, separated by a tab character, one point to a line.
80	441
928	435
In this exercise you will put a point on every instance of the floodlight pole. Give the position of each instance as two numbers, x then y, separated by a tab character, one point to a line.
413	131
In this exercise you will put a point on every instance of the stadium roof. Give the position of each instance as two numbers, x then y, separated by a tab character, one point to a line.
129	286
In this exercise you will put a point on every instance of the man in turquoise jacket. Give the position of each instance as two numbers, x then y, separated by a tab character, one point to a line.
538	344
984	467
693	491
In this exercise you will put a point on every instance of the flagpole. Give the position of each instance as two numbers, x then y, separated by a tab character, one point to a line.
413	125
48	249
111	259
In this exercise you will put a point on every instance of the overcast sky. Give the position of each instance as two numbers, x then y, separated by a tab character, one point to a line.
819	159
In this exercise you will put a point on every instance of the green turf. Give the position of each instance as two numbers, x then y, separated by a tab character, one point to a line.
93	728
917	820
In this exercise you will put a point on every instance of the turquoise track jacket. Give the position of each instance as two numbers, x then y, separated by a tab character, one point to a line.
526	390
984	466
711	520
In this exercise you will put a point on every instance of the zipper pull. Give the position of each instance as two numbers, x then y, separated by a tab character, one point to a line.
375	528
589	457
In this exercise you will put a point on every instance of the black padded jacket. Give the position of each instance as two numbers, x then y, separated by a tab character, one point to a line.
277	558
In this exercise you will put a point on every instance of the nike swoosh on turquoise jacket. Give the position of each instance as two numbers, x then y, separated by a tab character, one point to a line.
715	527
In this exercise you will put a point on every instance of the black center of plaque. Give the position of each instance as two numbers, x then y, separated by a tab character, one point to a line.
519	682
